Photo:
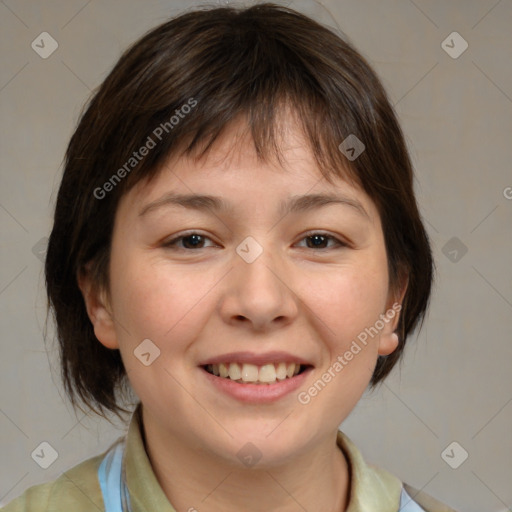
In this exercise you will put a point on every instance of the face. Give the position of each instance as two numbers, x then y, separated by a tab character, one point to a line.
249	283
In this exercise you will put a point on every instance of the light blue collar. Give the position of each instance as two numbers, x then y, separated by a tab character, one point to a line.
407	504
110	475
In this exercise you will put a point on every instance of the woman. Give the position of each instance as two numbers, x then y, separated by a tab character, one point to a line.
236	238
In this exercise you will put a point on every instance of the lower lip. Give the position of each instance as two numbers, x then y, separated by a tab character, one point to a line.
258	393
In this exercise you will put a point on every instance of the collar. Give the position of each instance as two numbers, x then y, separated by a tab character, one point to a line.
371	489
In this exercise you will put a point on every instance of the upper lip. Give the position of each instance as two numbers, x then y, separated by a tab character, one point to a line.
256	359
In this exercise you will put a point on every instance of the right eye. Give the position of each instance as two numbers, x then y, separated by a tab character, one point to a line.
191	240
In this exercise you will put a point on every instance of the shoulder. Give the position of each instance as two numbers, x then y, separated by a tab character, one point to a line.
373	489
77	489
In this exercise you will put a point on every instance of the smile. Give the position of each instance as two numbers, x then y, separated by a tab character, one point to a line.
269	373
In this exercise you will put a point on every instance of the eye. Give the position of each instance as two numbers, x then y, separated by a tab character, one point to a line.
194	240
191	240
318	239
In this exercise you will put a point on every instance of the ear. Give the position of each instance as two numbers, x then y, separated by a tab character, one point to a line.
388	341
98	309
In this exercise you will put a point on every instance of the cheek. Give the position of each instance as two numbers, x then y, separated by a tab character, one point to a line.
165	305
348	301
345	308
159	301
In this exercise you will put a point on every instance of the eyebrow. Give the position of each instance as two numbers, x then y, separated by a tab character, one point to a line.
294	204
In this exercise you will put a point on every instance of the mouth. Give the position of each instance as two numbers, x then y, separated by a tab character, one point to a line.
266	374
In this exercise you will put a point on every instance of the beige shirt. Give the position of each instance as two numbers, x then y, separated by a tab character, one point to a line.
78	489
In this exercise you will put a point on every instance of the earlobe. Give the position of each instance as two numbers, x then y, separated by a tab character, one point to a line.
98	311
388	343
389	340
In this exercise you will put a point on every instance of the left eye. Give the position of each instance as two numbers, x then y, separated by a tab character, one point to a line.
193	241
319	238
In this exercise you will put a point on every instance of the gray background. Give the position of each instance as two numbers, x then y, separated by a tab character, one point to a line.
455	383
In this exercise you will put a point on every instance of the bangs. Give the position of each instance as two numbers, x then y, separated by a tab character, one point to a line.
267	127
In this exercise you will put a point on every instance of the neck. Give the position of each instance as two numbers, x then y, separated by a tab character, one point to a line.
194	480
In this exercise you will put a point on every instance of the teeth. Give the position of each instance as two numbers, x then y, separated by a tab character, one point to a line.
223	371
266	374
281	371
234	371
249	372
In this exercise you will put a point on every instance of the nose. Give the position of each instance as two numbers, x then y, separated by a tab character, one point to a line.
259	294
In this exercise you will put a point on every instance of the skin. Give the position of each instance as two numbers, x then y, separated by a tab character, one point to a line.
311	302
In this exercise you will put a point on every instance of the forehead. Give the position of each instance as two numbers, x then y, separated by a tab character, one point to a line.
230	174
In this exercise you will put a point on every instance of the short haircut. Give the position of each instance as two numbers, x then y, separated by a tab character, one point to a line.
225	62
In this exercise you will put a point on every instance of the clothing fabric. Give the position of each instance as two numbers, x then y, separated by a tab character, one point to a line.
116	498
122	476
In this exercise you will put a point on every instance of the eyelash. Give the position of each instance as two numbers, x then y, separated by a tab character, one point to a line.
172	244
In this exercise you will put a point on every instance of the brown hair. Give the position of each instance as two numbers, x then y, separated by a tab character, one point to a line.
229	61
